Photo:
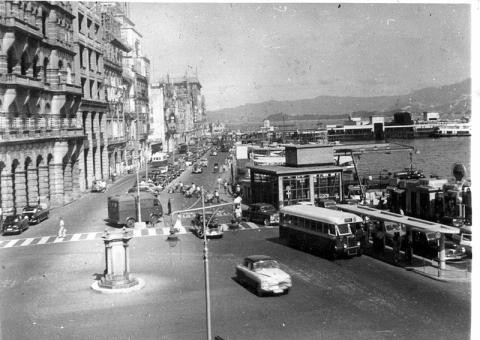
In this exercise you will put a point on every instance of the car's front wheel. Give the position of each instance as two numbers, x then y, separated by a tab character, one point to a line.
266	222
259	291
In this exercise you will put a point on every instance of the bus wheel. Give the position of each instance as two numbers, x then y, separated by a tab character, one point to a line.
266	222
131	222
154	219
332	255
259	291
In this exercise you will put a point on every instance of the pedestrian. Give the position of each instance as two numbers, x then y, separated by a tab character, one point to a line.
181	186
217	196
169	207
225	187
61	230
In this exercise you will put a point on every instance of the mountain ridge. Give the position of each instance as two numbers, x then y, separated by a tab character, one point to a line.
452	100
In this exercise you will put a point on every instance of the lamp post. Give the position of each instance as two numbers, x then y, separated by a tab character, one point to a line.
138	194
207	279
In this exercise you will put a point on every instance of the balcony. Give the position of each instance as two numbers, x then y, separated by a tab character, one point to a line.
38	127
21	80
64	87
116	140
22	25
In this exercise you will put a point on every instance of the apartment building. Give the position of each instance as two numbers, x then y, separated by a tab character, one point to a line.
41	136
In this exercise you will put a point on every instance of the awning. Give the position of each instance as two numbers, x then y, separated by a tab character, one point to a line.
413	222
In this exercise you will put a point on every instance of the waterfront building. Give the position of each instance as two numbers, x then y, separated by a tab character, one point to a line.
41	135
309	174
88	37
116	120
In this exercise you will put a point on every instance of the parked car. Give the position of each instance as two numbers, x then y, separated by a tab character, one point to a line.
262	273
327	203
99	186
215	167
213	228
390	229
35	213
197	169
464	239
14	224
452	221
263	213
204	162
426	244
213	153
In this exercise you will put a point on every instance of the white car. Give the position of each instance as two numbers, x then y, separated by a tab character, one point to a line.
464	240
262	273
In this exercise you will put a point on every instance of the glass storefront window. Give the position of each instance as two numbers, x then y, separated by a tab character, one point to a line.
296	189
326	185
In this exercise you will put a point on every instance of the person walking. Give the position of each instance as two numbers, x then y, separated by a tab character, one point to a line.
61	230
169	207
225	187
217	196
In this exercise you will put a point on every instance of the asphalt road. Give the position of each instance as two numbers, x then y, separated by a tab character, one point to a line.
45	289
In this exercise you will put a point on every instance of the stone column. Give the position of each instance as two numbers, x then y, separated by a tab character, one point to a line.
76	179
56	184
56	174
312	189
105	163
20	190
67	184
7	191
32	185
43	185
280	192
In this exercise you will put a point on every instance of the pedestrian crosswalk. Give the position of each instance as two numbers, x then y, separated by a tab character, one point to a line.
145	232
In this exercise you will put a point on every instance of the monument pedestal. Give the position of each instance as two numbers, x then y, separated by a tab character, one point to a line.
117	273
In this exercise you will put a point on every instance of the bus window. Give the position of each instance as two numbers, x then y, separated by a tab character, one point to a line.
343	229
331	229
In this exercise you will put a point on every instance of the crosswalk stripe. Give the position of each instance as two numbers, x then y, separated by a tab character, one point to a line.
59	239
252	225
43	240
10	244
152	232
76	237
91	236
27	242
137	233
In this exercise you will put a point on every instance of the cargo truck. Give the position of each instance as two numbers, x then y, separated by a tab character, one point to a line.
123	209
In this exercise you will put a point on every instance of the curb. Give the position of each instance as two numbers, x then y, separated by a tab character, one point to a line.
436	277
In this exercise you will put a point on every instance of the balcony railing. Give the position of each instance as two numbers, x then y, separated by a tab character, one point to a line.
18	79
11	124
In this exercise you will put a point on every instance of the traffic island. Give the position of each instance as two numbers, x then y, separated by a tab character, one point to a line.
117	277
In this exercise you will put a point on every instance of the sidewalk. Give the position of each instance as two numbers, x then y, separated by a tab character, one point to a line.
453	272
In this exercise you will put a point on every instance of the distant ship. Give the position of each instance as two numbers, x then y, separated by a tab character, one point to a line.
452	130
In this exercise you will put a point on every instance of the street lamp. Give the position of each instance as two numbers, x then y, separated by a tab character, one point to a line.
207	279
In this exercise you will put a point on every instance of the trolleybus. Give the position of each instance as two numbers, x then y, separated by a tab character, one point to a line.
320	230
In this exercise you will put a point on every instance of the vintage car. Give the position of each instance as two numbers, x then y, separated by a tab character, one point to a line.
213	228
35	213
204	162
99	186
426	244
263	274
14	224
263	213
390	229
197	169
464	239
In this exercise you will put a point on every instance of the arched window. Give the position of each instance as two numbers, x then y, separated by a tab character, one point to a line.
10	61
35	67
45	65
24	64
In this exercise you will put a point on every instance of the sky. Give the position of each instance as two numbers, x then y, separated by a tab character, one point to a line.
250	53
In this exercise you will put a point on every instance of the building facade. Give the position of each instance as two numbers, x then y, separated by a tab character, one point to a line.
66	92
41	135
115	90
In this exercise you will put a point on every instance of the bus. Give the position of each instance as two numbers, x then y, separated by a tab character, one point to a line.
322	230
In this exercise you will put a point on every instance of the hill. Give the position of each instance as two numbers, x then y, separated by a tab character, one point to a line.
450	100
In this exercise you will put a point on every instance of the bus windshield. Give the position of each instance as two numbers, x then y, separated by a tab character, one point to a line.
343	229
